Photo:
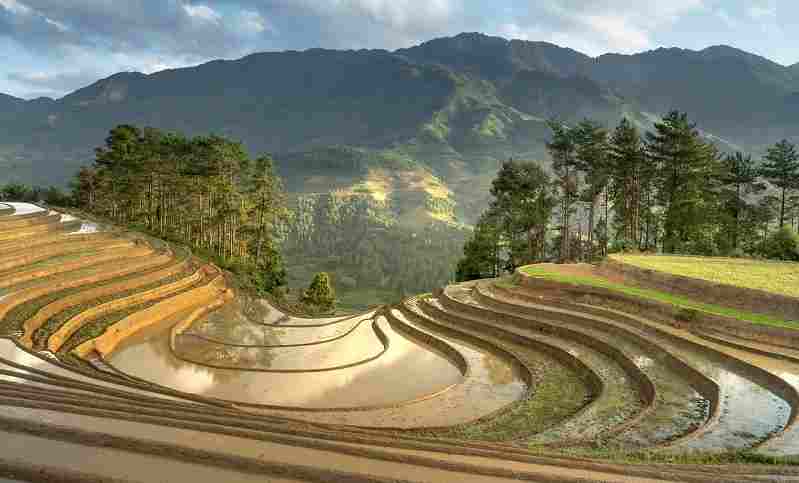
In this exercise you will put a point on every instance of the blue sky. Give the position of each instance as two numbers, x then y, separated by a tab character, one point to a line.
51	47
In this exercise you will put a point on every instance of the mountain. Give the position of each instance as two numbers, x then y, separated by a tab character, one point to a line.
7	101
446	111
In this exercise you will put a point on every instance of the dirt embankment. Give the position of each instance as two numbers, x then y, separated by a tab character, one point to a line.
204	295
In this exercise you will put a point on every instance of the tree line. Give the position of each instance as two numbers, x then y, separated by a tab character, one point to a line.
204	192
32	194
667	190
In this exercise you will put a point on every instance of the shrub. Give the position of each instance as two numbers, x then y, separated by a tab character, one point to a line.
320	293
782	245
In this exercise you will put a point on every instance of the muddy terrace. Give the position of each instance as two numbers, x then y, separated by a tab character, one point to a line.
126	360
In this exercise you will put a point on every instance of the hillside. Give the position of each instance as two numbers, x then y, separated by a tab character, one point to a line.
454	107
131	348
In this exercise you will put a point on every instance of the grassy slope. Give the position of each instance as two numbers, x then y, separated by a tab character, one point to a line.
777	277
658	296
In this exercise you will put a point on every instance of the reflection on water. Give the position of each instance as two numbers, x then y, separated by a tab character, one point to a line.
380	382
85	228
239	331
23	208
749	412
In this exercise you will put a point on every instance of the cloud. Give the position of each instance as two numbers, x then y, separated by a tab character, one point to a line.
51	81
600	26
253	22
761	12
202	13
104	36
58	25
727	19
15	7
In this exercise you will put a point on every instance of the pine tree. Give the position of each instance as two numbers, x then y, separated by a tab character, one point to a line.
522	206
629	169
739	176
320	293
781	168
593	160
686	165
481	251
563	150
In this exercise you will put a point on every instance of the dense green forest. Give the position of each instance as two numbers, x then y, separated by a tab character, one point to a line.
359	239
204	192
667	190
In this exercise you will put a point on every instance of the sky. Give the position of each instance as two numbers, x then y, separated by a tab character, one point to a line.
52	47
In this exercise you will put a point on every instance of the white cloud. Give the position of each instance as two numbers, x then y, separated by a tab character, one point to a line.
15	6
253	22
619	31
58	25
761	12
402	13
602	25
202	12
727	19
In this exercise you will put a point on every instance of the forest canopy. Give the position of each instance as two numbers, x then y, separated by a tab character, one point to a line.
204	192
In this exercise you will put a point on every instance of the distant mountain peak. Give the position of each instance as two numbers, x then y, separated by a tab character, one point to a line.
726	51
111	89
8	97
723	49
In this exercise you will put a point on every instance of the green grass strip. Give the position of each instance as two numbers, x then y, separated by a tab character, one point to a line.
677	458
658	296
773	276
557	396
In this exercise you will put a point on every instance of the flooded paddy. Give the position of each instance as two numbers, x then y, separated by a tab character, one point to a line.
23	208
750	411
382	381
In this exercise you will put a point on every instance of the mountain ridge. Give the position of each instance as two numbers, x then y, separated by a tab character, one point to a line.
456	106
716	50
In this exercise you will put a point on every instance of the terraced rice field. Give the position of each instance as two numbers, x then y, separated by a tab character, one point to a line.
121	360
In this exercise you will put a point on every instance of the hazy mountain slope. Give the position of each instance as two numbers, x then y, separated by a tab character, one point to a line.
9	102
453	107
277	102
730	92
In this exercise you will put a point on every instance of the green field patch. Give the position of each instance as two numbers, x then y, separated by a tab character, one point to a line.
771	276
671	457
658	296
558	395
